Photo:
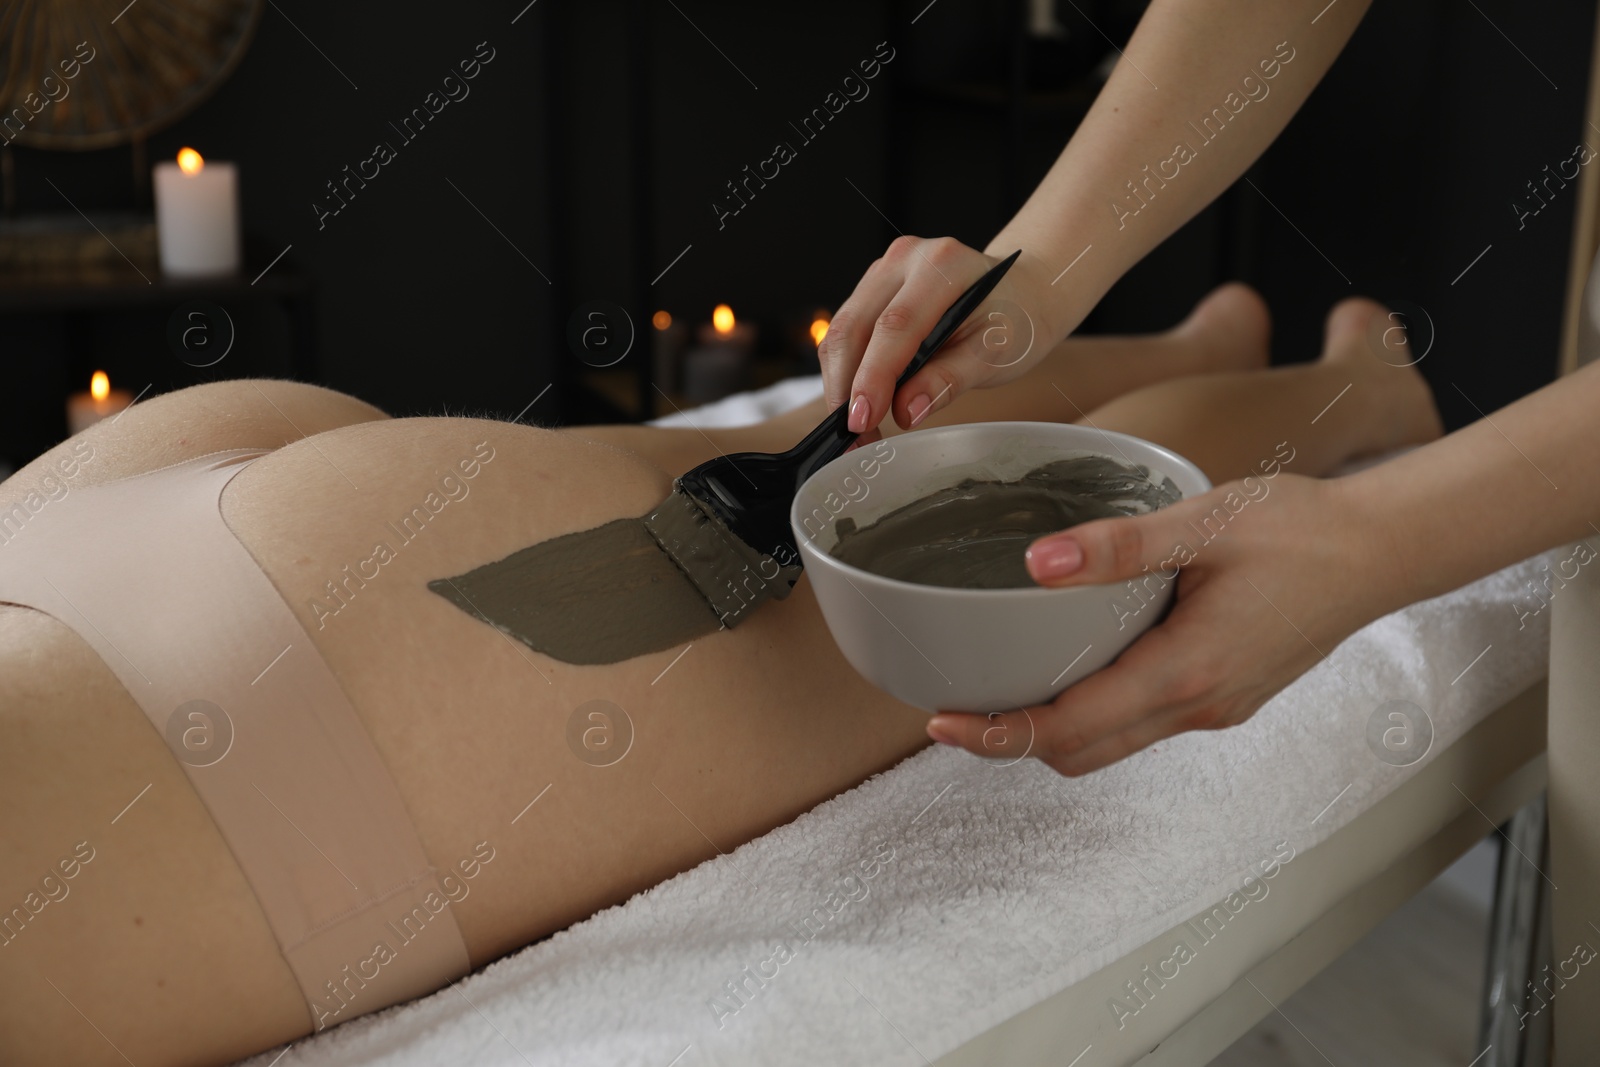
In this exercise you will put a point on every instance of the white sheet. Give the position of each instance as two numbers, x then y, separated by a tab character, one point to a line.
991	886
742	409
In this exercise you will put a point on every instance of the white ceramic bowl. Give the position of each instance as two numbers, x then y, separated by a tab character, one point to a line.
980	650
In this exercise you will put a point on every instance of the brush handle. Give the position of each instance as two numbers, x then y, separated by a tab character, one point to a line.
831	437
955	315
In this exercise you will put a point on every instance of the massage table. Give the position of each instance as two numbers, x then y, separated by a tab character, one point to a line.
1012	916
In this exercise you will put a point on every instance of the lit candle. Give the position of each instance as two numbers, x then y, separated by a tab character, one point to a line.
726	332
100	402
719	363
197	216
819	326
667	345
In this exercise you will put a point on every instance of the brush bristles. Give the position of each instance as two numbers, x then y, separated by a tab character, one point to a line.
733	577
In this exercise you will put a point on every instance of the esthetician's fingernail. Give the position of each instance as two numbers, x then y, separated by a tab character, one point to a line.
919	407
1052	558
860	408
941	732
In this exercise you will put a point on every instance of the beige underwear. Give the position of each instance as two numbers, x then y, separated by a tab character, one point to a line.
146	571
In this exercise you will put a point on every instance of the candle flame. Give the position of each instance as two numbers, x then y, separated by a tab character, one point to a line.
189	161
819	326
722	319
100	385
661	320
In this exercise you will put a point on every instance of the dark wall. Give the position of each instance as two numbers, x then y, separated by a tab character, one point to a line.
1400	170
800	241
423	305
714	96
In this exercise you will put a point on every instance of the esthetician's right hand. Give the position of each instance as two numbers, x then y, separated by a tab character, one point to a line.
895	305
1295	571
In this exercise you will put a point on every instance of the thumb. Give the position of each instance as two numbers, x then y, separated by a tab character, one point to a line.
992	347
961	365
933	388
1110	550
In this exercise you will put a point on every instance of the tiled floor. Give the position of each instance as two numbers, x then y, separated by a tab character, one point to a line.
1405	996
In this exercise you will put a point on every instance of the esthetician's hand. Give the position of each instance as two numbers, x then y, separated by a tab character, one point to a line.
1294	571
895	305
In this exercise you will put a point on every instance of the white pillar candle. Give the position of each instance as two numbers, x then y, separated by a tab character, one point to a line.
197	216
100	402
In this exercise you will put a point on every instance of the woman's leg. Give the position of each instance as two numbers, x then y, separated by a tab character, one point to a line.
1198	389
1346	404
1227	331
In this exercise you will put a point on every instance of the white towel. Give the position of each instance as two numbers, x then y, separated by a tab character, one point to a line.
942	897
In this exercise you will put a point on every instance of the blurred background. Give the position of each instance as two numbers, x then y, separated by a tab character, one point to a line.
553	238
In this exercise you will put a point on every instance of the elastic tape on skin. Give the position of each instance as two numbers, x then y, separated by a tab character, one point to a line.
147	572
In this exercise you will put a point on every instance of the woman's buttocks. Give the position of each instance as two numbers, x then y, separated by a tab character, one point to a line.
552	789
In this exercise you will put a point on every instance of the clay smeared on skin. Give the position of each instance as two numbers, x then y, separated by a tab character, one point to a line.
733	577
972	535
625	589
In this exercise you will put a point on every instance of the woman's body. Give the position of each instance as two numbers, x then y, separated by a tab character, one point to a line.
160	953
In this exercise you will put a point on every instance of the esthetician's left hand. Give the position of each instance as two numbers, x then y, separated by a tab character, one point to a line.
1293	573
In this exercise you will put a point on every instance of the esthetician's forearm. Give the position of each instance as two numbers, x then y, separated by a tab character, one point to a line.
1184	61
1525	479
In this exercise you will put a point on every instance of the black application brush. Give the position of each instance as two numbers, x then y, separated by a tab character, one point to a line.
726	524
